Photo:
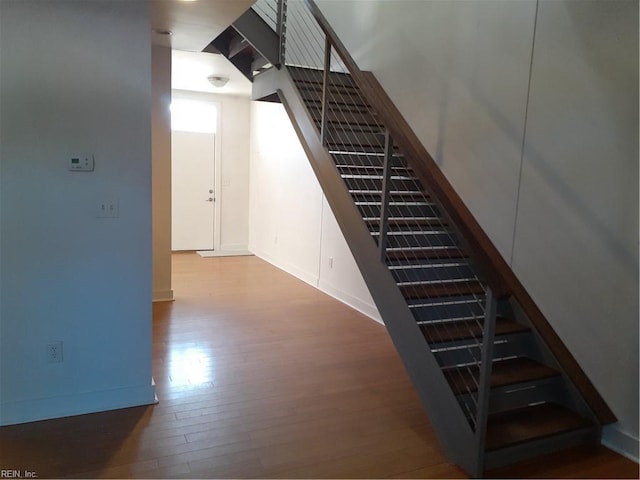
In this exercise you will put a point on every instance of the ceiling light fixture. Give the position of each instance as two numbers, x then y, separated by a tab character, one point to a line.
218	81
159	31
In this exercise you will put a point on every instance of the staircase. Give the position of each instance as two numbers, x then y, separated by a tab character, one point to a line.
496	381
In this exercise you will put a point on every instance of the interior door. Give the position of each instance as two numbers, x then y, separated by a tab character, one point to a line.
193	196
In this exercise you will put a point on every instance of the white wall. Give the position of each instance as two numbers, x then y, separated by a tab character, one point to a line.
560	204
75	77
233	191
161	172
291	223
576	241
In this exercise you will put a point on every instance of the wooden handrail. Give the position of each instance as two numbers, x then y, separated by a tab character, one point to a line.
499	276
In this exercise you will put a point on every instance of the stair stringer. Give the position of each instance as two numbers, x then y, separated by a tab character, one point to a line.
441	405
261	37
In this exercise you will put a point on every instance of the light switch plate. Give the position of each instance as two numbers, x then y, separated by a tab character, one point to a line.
109	208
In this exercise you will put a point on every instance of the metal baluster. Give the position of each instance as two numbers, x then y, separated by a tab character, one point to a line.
325	89
484	387
386	188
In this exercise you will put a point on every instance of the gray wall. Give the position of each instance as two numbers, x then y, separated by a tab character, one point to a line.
550	172
75	77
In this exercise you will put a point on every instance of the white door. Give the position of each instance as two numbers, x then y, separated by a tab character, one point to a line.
193	196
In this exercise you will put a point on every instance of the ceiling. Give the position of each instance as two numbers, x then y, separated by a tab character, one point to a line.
189	71
193	25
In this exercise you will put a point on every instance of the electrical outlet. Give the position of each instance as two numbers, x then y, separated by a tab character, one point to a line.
54	352
330	262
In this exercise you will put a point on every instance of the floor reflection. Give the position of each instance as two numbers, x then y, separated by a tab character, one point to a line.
191	365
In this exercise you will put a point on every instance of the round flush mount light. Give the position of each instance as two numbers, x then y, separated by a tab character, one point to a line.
160	31
218	81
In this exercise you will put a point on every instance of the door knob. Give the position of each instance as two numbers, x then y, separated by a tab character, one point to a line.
210	199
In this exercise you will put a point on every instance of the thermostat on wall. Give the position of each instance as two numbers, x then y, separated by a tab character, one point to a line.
81	163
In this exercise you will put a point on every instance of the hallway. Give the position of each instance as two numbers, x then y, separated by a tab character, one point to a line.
273	378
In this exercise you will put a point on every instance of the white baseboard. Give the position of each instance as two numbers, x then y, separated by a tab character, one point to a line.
223	253
24	411
621	442
310	278
234	247
363	307
163	296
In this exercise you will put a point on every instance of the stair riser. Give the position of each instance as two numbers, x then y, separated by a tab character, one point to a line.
367	183
349	147
346	118
394	197
421	240
335	91
412	226
363	159
336	126
338	96
401	210
439	291
337	108
317	76
463	307
338	100
355	139
514	396
435	273
468	351
519	396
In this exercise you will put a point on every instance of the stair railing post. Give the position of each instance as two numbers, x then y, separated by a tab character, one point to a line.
386	188
325	89
484	387
281	28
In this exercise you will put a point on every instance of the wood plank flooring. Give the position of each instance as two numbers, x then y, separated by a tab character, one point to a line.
262	376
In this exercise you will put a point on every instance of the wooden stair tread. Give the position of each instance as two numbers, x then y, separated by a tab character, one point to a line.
426	254
317	86
336	118
452	289
373	170
410	222
467	329
503	372
514	427
401	195
315	76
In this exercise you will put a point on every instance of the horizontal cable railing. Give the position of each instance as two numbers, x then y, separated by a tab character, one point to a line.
422	249
268	11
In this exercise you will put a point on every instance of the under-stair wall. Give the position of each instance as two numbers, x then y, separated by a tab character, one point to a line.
301	238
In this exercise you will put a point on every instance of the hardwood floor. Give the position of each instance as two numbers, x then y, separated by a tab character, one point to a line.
260	375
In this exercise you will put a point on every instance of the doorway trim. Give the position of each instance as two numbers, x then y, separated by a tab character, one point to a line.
217	178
